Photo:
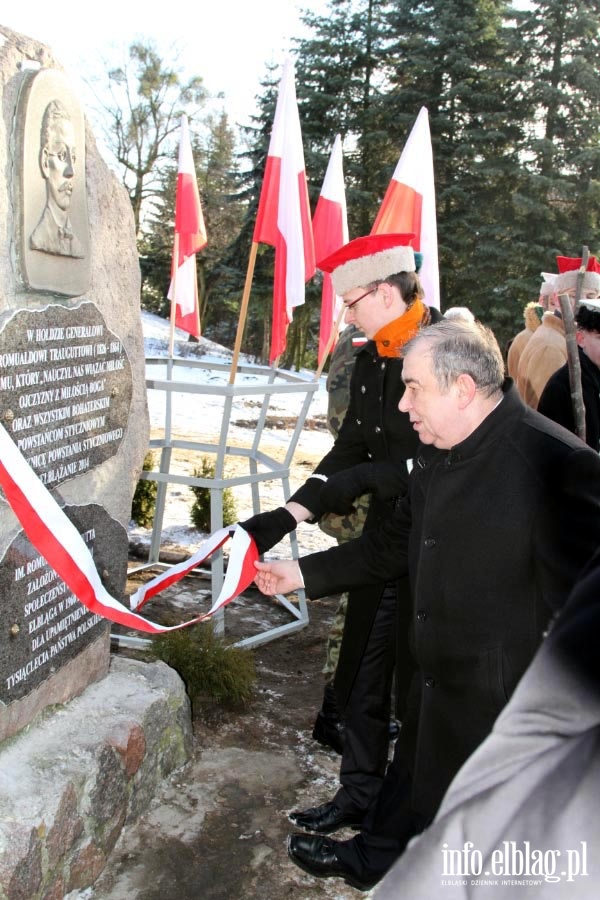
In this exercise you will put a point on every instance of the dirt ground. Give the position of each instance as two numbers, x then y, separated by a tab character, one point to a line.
218	829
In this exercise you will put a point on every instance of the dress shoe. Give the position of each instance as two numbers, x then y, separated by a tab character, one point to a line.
326	818
316	855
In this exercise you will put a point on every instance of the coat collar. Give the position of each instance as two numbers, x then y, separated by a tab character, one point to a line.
493	427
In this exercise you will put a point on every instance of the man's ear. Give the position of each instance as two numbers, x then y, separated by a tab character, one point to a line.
466	389
385	289
580	337
44	161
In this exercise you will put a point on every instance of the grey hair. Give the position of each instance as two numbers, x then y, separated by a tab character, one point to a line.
459	312
458	347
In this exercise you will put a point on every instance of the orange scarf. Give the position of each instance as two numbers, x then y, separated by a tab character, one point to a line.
392	337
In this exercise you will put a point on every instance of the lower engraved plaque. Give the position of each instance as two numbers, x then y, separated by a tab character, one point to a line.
44	626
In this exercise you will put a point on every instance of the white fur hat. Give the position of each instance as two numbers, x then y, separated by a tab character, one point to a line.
547	285
368	259
568	268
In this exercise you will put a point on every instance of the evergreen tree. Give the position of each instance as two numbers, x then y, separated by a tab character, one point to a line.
218	282
559	205
451	56
342	74
256	137
220	277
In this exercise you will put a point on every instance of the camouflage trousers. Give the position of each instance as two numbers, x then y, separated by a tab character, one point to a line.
343	528
334	639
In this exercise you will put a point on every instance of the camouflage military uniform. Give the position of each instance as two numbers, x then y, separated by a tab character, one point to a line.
343	528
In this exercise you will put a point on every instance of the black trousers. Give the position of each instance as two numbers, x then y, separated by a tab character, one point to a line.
367	713
388	827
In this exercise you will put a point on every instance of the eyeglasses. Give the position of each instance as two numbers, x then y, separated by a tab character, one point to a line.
358	299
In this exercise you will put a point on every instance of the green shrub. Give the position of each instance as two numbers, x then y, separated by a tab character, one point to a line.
143	504
200	512
212	671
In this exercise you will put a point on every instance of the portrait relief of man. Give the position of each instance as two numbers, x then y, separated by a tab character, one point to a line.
58	164
51	188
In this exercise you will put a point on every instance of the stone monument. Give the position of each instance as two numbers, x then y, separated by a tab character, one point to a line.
72	385
85	737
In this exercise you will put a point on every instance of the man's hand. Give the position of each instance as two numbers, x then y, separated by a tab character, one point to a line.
278	577
269	528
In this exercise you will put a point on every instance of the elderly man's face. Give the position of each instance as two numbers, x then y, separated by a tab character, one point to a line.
59	163
435	416
586	294
589	341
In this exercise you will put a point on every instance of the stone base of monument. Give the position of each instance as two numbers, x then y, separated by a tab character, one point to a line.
80	773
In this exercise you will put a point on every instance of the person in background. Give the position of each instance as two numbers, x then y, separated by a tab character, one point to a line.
556	401
546	351
459	312
501	515
376	277
532	315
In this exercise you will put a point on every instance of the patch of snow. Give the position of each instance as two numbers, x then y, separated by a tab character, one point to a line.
198	418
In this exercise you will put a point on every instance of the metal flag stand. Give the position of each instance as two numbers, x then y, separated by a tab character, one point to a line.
261	467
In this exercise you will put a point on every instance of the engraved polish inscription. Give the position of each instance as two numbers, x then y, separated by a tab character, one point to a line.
65	389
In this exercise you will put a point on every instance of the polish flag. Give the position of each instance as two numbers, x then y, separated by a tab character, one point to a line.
53	535
283	217
330	230
409	204
190	237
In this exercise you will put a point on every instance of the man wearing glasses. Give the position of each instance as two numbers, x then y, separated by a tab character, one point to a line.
377	278
53	233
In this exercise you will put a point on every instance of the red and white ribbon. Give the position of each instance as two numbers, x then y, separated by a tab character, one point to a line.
59	542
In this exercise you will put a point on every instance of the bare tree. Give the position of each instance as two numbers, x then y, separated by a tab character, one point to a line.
147	99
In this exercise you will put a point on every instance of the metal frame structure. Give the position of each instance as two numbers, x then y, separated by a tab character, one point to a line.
270	468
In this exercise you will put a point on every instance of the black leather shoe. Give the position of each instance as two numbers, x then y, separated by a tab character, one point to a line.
326	818
316	855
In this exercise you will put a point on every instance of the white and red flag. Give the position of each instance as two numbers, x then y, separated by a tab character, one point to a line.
56	538
283	217
330	231
190	237
409	204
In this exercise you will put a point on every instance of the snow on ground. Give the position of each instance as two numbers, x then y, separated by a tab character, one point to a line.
198	418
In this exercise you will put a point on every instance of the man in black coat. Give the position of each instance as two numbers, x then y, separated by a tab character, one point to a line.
376	277
502	513
556	402
526	802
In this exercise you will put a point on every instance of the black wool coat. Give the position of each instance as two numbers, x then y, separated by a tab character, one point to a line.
373	430
493	534
556	402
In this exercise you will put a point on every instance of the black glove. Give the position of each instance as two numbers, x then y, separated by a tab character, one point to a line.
341	490
383	479
268	528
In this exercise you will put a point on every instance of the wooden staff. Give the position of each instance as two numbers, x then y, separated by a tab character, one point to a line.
334	331
243	311
572	347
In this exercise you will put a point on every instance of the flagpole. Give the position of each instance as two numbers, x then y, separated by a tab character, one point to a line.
332	336
174	266
243	310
